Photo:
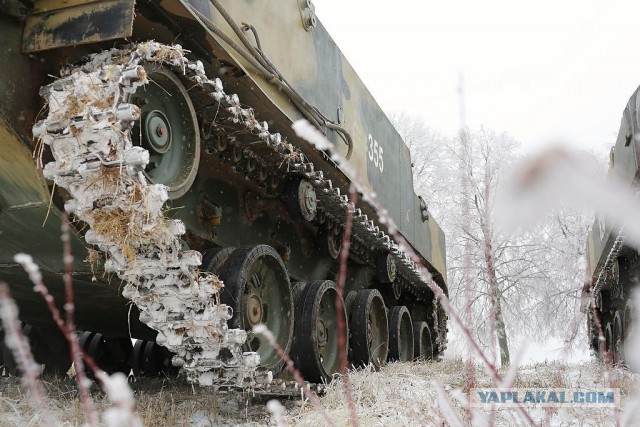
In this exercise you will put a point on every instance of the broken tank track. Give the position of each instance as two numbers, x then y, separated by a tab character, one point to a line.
88	127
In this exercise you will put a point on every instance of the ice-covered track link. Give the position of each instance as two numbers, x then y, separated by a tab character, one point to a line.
88	127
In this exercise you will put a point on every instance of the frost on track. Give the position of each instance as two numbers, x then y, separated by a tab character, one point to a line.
88	129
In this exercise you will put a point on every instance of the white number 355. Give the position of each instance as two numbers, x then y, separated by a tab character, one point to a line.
375	153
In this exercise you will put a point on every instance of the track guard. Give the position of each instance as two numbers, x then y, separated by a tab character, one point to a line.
57	24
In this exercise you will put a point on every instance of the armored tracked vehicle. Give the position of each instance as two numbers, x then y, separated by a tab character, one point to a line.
614	267
164	129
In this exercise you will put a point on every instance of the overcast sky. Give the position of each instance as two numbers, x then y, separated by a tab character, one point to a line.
544	71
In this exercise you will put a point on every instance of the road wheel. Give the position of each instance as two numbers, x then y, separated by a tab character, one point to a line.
608	339
400	335
48	348
257	288
369	329
1	350
296	291
110	354
422	343
627	326
168	129
213	258
150	359
315	348
618	343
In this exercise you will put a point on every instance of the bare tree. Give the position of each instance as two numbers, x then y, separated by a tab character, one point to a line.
430	151
518	281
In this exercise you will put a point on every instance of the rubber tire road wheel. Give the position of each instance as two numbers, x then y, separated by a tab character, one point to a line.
150	360
56	361
618	333
1	350
608	339
52	352
348	305
628	326
315	349
257	288
214	258
400	335
369	329
165	96
10	365
110	354
422	342
137	358
593	334
348	302
296	291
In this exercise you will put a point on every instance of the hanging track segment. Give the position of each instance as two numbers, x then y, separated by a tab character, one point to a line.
88	129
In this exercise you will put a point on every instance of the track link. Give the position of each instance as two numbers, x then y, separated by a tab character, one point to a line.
88	129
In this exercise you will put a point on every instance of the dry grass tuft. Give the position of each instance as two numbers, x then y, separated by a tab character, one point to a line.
132	225
166	54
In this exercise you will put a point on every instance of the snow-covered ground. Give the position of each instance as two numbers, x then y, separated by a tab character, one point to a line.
421	393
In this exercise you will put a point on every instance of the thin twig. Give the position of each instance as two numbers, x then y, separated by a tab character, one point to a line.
69	327
342	275
262	329
19	346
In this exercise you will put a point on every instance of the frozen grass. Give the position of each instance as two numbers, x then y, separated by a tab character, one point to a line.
398	395
158	402
407	395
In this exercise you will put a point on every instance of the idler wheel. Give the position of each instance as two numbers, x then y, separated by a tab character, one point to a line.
150	359
618	343
315	350
257	288
301	199
422	342
110	354
400	335
48	347
213	258
169	129
369	329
